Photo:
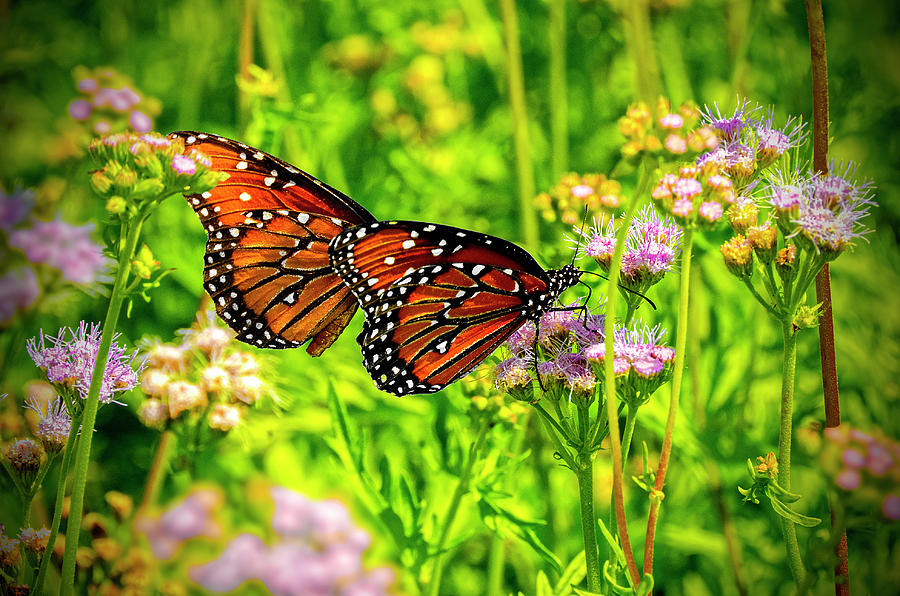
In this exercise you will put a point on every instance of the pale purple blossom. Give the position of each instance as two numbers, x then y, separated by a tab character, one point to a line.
891	507
581	190
87	85
673	121
711	211
521	341
64	247
139	121
80	109
687	188
243	559
18	291
772	142
182	164
190	518
68	360
729	126
510	373
54	426
14	207
848	479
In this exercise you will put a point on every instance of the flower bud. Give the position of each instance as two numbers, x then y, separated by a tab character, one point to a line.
807	316
215	378
10	556
147	189
35	540
101	182
247	388
738	256
120	503
784	263
768	465
742	215
763	240
153	414
224	417
116	205
155	382
24	455
184	396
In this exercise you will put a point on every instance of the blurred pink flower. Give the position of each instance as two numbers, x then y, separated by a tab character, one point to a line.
189	519
243	559
62	246
18	290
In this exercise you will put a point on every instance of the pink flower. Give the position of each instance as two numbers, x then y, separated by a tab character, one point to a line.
80	109
891	507
183	164
243	559
581	191
62	246
139	121
711	211
87	85
676	144
18	290
672	121
848	479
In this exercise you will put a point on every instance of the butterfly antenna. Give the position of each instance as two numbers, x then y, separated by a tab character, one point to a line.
580	235
534	351
629	290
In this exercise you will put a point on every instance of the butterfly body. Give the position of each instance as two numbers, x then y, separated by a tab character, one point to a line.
266	265
438	300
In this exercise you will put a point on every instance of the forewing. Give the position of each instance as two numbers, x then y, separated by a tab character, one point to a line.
438	300
266	264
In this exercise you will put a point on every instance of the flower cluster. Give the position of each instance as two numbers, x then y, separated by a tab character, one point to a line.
696	196
865	467
573	192
138	170
53	424
42	253
750	143
191	518
665	131
652	245
64	247
570	353
319	552
108	103
67	361
206	374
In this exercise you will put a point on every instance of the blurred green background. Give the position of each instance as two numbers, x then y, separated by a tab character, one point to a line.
404	105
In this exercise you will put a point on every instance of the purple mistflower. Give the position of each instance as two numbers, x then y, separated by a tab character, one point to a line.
18	290
511	373
521	341
556	325
730	126
182	164
848	479
80	109
838	188
711	211
140	121
14	207
687	188
879	461
54	425
87	85
891	507
830	229
683	207
191	518
772	143
62	246
637	342
654	240
590	331
70	362
853	458
673	121
293	512
244	559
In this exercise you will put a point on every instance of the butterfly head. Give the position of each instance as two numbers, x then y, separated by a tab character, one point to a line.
562	279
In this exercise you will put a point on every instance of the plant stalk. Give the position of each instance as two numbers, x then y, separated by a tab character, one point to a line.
585	473
819	63
788	371
92	403
559	109
687	245
524	164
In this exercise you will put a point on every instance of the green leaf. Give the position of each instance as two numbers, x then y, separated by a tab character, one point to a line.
583	592
780	493
573	574
543	585
613	543
645	587
791	515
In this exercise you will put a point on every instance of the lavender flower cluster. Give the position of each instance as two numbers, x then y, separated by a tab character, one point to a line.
652	245
49	248
567	353
135	171
67	360
319	552
206	373
109	103
866	467
665	131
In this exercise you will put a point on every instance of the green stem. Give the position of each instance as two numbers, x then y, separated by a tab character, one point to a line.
759	297
461	489
612	412
637	15
92	403
553	428
57	508
496	558
585	473
687	246
788	370
630	420
524	165
558	88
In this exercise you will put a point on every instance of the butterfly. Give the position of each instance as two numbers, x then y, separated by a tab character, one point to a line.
438	300
266	265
